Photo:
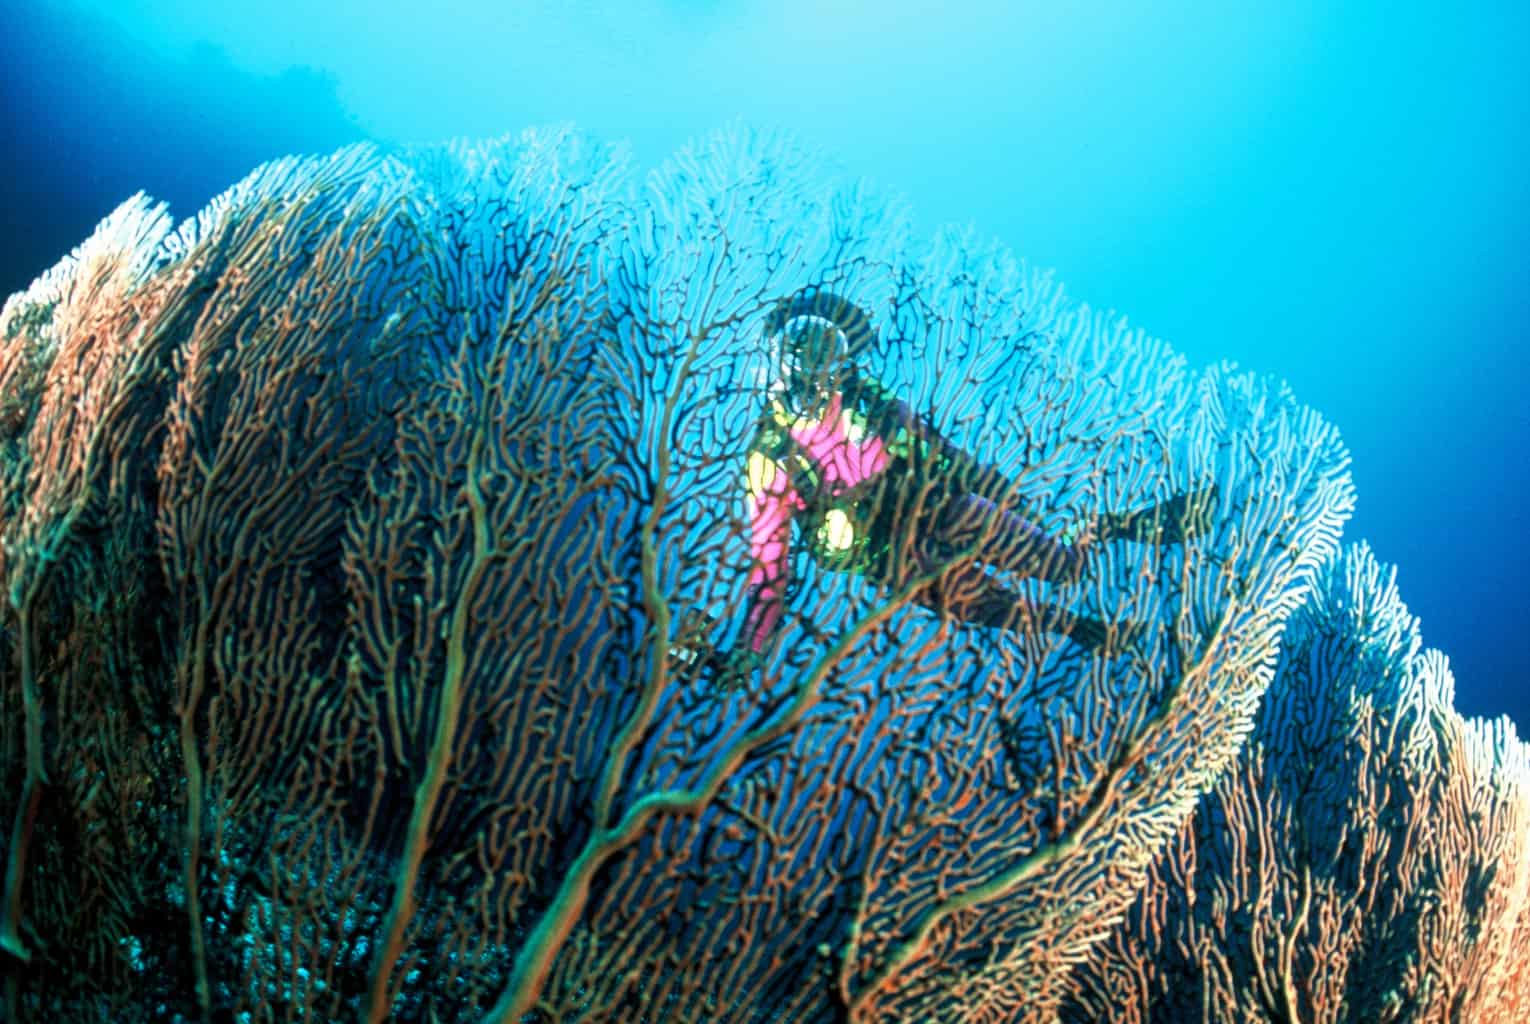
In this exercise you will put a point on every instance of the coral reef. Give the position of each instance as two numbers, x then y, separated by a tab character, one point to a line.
1367	858
349	528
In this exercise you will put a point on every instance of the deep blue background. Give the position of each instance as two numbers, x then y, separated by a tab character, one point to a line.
1331	193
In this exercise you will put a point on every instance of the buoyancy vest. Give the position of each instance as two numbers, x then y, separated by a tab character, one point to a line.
856	493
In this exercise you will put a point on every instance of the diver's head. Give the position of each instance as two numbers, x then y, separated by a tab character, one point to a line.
817	337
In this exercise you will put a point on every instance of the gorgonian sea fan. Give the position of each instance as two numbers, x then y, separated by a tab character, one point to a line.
1367	858
415	467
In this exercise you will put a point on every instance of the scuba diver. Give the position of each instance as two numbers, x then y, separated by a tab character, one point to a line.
875	489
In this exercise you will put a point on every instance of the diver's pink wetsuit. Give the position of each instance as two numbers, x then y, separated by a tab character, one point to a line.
841	463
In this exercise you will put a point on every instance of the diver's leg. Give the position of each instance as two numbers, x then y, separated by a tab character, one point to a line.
971	595
1006	541
1169	522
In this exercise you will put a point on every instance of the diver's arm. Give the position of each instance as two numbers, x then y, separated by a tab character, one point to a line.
913	437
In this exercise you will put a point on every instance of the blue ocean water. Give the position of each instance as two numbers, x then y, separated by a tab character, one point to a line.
1333	194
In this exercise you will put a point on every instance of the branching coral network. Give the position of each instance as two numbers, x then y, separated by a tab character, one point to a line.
350	530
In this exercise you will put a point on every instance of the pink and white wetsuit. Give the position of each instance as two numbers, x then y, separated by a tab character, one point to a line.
843	455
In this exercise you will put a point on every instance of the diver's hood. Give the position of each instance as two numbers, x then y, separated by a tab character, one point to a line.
818	327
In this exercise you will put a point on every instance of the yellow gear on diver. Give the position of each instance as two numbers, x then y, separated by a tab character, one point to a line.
761	474
837	532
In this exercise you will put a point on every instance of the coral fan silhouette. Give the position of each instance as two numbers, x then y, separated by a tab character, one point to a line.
350	529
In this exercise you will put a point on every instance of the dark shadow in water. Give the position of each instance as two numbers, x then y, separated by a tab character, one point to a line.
89	118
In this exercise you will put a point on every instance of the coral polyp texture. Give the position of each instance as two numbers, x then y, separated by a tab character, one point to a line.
355	531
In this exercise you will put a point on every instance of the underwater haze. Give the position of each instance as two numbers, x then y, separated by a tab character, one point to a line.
1333	194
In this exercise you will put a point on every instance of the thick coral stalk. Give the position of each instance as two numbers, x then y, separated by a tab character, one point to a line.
31	792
